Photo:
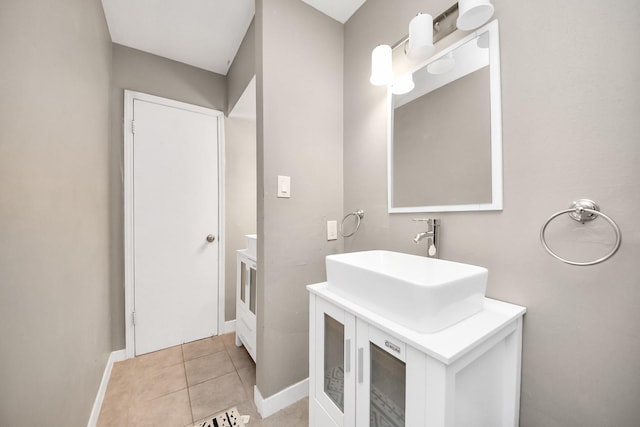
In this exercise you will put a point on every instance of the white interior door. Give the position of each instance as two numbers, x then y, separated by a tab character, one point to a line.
175	209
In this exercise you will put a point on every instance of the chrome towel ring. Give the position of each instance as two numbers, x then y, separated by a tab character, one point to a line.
358	215
583	210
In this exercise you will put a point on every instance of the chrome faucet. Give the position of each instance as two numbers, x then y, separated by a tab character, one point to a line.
432	236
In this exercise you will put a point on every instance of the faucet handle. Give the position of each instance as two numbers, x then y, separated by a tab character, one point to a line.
432	250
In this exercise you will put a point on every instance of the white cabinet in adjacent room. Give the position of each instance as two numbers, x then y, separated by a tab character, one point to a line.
246	301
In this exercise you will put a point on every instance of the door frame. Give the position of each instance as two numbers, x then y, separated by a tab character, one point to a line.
129	263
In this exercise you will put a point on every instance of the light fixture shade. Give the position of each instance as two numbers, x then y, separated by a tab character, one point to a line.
473	13
381	65
483	40
442	65
421	37
403	85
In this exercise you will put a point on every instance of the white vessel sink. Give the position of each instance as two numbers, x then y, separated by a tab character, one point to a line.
423	294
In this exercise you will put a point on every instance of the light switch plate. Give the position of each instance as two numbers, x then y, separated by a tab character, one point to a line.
284	186
332	230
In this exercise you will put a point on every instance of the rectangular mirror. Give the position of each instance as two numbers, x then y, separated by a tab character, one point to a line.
445	136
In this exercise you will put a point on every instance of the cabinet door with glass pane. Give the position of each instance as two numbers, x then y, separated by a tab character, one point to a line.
334	388
246	296
381	378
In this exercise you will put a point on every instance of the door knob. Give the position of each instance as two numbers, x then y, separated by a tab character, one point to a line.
211	238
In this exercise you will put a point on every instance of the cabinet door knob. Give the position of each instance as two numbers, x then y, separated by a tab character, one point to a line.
211	238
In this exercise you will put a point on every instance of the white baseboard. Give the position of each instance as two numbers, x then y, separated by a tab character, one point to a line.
280	400
229	326
115	356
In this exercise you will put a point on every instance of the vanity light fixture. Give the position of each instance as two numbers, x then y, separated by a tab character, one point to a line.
403	85
473	13
442	65
381	65
424	31
421	37
483	41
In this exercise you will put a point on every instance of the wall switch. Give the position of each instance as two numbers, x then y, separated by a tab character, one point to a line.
332	230
284	186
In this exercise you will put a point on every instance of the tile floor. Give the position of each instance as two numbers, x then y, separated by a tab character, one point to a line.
185	384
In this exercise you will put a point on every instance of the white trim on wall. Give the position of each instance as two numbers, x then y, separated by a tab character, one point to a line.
115	356
129	97
128	226
281	399
229	326
222	237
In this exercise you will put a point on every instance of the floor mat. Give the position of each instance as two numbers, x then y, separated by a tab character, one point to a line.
228	418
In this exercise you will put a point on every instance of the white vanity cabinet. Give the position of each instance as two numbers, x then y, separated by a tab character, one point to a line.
368	371
246	301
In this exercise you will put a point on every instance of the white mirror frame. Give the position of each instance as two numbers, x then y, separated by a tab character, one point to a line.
496	130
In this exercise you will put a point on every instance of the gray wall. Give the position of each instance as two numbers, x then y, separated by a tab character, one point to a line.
240	201
240	137
154	75
570	127
243	67
54	210
299	63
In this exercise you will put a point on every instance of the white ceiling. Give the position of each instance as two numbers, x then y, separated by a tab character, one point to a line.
340	10
202	33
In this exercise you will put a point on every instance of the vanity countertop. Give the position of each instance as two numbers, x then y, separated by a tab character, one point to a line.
247	253
447	345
